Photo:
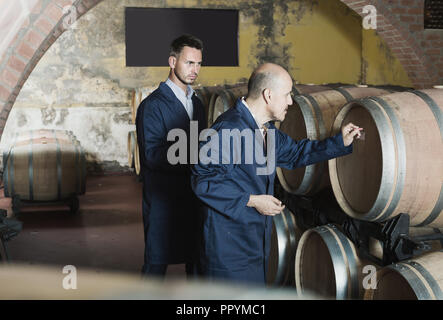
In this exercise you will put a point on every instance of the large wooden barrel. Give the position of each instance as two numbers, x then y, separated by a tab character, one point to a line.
284	240
225	99
206	95
132	144
312	116
420	278
298	89
398	167
44	169
135	102
136	157
309	88
137	96
327	264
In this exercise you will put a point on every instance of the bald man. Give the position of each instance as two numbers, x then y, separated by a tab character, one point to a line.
238	194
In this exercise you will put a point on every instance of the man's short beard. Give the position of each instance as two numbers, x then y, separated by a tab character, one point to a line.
182	80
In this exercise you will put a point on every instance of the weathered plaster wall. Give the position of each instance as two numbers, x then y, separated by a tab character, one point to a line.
379	64
82	84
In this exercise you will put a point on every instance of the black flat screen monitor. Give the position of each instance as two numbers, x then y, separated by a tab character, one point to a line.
150	31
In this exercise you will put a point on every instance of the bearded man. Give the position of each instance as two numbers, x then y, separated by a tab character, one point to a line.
170	208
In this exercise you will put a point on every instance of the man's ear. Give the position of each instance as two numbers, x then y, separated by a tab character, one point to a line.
267	95
172	61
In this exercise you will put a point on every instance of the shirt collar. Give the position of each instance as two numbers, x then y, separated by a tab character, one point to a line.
179	91
247	107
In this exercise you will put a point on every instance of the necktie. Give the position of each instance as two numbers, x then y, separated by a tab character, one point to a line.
265	131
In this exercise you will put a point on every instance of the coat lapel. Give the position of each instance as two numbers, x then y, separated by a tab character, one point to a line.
175	103
252	124
246	115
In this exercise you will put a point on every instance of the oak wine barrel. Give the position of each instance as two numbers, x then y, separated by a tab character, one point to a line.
225	99
137	96
309	88
44	169
420	278
312	116
398	167
136	157
206	95
284	240
327	264
132	142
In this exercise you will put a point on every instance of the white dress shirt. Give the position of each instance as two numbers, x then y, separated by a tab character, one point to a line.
185	99
258	124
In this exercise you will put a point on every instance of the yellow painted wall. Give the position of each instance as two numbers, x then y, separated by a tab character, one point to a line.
326	43
379	65
317	41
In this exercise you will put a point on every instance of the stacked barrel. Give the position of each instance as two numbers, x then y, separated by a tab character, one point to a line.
311	116
44	165
284	241
397	168
137	96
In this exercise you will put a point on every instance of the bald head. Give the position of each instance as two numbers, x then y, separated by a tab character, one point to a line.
266	76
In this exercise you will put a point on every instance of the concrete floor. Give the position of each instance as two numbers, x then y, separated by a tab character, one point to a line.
105	235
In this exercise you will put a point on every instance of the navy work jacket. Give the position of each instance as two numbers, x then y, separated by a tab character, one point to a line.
170	207
236	238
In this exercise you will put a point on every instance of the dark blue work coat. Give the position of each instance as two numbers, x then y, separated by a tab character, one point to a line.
170	207
236	238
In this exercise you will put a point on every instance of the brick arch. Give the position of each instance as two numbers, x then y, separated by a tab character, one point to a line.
39	31
48	22
400	41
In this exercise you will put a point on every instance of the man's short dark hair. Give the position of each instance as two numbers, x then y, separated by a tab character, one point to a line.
185	40
259	81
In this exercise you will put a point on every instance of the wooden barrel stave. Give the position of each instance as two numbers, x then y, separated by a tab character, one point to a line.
278	256
137	158
137	96
376	246
399	173
44	133
327	264
225	99
205	94
132	141
284	240
420	278
45	170
312	116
